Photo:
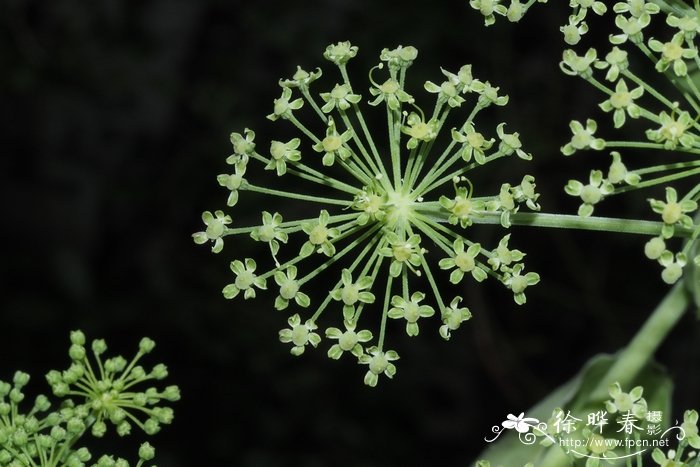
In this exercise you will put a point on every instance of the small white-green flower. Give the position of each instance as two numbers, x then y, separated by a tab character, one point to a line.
674	131
282	153
348	340
390	92
453	317
618	173
289	289
631	29
592	193
340	53
576	65
488	94
245	280
511	197
666	459
654	248
622	101
371	204
689	25
462	80
462	207
489	8
419	130
447	92
510	143
583	137
518	282
334	144
320	236
411	310
673	212
636	8
301	79
525	192
243	147
299	335
283	107
399	58
474	144
673	54
673	266
233	182
352	293
616	62
597	6
463	261
504	256
379	363
623	402
216	227
270	232
574	30
690	427
340	97
403	252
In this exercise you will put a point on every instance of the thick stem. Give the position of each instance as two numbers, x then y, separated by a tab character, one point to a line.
642	347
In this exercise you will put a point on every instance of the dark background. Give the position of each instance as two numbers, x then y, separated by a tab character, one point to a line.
115	121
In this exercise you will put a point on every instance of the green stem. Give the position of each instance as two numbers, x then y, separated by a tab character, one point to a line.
649	89
642	347
563	221
312	175
385	312
289	225
659	180
288	194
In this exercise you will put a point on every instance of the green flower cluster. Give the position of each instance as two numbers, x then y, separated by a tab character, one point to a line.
672	128
387	198
92	396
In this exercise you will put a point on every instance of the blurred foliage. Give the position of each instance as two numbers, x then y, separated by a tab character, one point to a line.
116	116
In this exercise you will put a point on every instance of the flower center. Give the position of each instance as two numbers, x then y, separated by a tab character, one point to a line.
378	364
289	290
454	320
672	213
581	140
389	87
348	340
591	194
350	294
464	261
267	233
332	143
278	150
300	335
620	100
402	252
672	51
318	235
412	312
244	280
339	92
475	140
519	284
462	207
281	106
215	229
